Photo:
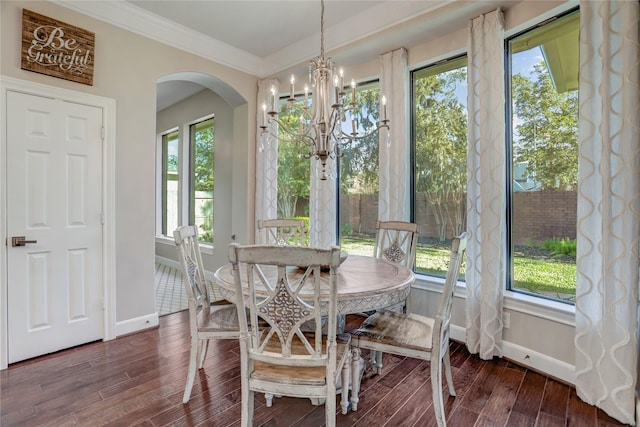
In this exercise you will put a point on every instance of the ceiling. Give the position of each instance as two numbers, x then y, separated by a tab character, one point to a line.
270	37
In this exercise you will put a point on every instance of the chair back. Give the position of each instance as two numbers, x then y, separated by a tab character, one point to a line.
283	232
443	316
283	288
196	288
396	242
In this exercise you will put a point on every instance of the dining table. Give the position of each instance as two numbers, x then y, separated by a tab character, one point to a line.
364	283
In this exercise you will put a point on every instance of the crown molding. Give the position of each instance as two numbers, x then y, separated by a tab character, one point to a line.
132	18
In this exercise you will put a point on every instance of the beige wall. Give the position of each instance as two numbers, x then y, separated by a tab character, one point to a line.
127	67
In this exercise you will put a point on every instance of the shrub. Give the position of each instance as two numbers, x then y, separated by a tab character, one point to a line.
560	247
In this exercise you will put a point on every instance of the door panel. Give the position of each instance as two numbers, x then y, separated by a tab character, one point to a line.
54	198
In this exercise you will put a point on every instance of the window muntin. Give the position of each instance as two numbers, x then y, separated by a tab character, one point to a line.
439	160
202	178
543	162
170	182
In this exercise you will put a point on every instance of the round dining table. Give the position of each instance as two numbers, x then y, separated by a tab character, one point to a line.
364	283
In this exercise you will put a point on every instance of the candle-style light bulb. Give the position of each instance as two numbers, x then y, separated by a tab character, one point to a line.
306	96
273	98
384	108
353	91
264	114
293	80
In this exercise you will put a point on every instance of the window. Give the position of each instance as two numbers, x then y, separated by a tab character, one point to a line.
201	188
187	179
170	201
439	160
357	178
358	184
543	144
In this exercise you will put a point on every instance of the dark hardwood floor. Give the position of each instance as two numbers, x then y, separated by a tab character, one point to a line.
138	380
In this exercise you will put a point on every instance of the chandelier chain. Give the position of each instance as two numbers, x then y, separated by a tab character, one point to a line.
322	28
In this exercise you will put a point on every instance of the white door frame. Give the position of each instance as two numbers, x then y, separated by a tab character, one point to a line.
108	107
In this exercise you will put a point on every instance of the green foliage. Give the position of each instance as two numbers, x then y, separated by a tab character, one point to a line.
441	147
346	229
560	247
203	158
205	234
294	171
360	162
546	137
542	276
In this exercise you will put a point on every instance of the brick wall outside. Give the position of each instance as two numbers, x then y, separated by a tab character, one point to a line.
538	215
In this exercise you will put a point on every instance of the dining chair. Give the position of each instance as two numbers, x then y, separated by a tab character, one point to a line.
207	319
395	242
417	336
282	232
278	358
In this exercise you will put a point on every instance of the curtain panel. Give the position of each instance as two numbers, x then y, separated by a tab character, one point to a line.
608	229
486	186
393	192
266	160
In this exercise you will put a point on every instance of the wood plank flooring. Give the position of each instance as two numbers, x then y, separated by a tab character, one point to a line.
138	380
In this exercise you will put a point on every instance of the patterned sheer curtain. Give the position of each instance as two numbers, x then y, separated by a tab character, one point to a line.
266	160
393	199
486	189
608	208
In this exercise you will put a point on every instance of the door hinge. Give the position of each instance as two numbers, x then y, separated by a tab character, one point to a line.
102	132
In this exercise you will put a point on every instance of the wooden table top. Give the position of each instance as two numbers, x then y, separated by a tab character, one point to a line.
364	283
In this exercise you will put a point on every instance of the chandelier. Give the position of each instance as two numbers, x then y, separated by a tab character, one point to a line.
319	130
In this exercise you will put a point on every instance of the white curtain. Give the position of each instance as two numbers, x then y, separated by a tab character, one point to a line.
486	189
393	197
266	159
608	208
322	206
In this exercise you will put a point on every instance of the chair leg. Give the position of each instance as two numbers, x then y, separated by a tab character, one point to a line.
268	397
203	353
436	391
330	405
355	378
344	392
375	358
447	372
191	373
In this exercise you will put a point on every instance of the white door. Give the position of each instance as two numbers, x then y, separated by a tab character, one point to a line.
54	200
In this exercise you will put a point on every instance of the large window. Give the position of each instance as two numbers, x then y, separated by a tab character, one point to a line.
201	188
187	178
357	177
543	142
439	95
170	201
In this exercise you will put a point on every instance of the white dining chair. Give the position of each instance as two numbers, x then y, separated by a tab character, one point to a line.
421	337
207	320
277	357
395	242
282	232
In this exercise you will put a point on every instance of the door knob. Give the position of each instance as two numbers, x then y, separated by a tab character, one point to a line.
20	241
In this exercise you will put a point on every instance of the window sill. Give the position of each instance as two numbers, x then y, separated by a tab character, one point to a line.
513	301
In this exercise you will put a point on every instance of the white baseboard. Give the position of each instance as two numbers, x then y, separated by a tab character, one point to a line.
137	324
530	359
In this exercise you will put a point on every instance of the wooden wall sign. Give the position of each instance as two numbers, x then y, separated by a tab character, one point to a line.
57	49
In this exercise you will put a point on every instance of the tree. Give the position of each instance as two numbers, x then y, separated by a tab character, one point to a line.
546	137
294	171
441	148
360	162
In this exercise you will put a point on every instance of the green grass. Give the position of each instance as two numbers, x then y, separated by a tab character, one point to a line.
542	273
